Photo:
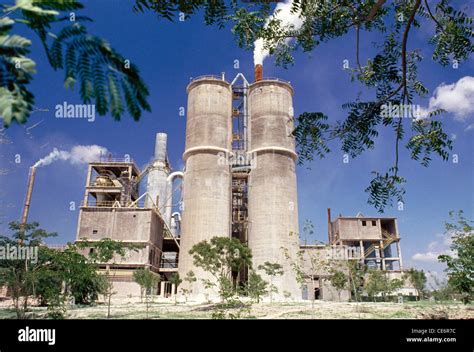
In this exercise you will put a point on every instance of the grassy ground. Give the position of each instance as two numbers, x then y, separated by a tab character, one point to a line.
127	309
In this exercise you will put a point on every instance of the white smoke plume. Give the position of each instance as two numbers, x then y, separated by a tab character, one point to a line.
79	154
287	18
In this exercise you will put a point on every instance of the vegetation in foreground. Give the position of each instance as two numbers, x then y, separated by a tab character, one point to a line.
58	280
154	309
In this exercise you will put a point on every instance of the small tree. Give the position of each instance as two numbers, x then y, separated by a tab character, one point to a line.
190	278
139	276
356	272
376	283
176	281
339	281
394	285
418	279
220	257
256	287
18	275
105	253
147	281
379	283
460	265
271	270
441	290
307	264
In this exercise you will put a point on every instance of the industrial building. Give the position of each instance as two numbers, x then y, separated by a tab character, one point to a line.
373	241
239	181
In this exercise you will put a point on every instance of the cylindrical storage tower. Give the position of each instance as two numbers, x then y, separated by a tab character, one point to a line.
157	175
207	176
273	207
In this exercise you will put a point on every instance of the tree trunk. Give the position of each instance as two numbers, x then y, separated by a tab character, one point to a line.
271	289
109	296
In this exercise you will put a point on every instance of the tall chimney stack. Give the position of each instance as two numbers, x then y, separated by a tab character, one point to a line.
29	192
329	226
258	72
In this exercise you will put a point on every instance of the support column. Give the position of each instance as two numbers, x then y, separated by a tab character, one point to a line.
382	255
162	289
88	182
399	252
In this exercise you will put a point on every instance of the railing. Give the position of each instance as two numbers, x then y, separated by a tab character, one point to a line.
214	77
385	244
114	204
169	263
106	159
56	246
275	79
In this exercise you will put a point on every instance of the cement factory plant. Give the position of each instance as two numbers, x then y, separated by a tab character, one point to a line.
164	161
239	181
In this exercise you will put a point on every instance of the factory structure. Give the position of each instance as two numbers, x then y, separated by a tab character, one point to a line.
239	181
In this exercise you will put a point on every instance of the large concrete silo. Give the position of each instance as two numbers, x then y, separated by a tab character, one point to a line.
273	210
207	177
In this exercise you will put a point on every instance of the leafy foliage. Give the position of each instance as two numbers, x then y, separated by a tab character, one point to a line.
190	278
378	282
220	257
106	252
309	135
418	280
356	272
389	77
255	286
105	77
339	281
53	278
271	270
147	281
460	264
16	71
384	188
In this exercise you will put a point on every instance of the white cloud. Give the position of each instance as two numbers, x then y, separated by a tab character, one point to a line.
435	248
469	128
456	98
83	154
426	257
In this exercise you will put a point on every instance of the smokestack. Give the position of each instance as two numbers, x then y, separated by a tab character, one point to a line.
29	191
258	72
160	146
329	226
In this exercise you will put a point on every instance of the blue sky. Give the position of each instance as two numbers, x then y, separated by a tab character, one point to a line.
168	54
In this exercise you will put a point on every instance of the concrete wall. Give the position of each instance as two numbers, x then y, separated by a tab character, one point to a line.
315	261
273	205
207	179
353	229
143	227
114	223
126	288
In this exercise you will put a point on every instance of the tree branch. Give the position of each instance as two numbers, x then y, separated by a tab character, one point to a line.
374	10
431	15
